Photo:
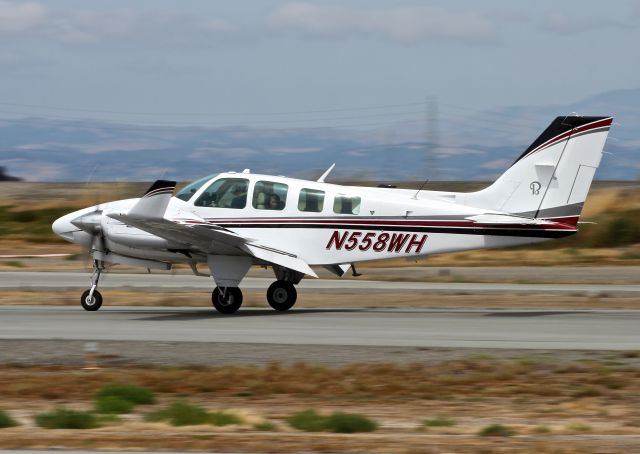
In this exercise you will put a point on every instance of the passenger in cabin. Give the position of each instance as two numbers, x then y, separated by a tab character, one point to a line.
259	202
239	198
274	202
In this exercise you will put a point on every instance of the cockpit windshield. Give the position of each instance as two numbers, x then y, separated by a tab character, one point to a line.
187	192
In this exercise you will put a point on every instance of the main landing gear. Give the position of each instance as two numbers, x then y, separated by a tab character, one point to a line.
226	300
91	299
281	296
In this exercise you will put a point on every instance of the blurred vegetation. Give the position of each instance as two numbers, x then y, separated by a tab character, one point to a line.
136	395
338	422
63	418
438	422
120	398
184	413
33	225
6	420
496	430
113	405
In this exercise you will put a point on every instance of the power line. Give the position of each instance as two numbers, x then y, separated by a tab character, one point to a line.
203	114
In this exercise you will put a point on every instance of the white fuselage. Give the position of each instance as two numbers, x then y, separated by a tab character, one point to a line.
389	223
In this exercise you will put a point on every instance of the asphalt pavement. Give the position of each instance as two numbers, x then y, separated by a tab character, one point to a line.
482	328
177	282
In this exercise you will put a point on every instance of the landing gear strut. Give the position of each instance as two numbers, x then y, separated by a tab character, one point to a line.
226	300
282	295
91	299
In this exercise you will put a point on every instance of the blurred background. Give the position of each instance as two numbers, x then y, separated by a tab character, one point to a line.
99	98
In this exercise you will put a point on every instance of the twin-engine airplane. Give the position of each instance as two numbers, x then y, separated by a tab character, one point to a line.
232	221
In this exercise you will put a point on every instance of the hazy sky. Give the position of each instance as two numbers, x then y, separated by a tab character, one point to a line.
206	61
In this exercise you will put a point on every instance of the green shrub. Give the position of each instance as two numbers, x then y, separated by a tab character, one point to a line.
579	427
307	420
311	421
6	420
15	264
438	422
181	413
348	423
137	395
265	426
221	418
62	418
541	430
113	405
496	430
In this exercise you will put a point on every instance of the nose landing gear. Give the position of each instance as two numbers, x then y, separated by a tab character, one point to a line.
91	299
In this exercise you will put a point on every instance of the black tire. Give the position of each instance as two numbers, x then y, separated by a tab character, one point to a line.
282	295
231	301
94	304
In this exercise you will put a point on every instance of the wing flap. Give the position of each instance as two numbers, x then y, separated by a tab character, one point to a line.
281	258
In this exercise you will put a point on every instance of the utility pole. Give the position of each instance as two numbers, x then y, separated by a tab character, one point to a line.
431	138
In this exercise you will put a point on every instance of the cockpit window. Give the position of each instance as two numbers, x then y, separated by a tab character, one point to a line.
187	192
225	193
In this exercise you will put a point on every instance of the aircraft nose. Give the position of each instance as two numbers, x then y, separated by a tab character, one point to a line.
63	227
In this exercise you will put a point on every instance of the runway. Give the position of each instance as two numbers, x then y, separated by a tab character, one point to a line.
502	329
185	282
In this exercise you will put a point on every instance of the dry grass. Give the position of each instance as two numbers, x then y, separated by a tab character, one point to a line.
331	299
524	394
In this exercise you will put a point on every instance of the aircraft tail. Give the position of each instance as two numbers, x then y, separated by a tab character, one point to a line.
551	179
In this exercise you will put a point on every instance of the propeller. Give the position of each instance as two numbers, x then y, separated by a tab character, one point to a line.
90	223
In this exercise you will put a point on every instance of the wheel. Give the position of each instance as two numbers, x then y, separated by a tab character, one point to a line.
92	304
282	295
230	302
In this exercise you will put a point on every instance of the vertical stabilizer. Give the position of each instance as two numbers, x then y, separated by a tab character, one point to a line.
551	179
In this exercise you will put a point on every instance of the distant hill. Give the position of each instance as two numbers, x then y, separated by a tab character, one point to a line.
5	177
473	145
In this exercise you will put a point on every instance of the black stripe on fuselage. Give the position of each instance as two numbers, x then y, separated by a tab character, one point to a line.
404	228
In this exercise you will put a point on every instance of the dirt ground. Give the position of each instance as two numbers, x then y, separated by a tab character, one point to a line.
552	405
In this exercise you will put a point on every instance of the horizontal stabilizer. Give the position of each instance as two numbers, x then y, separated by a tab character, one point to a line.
154	202
497	218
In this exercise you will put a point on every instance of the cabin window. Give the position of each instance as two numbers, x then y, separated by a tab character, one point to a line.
343	204
225	193
187	192
268	195
311	200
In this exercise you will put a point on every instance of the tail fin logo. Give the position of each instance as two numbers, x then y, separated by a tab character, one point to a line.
535	187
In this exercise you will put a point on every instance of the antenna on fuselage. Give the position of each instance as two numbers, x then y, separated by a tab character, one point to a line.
415	197
326	174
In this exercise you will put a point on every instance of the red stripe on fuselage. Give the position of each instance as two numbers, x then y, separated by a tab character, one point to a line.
558	225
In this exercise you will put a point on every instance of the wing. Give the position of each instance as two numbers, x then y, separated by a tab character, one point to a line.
200	235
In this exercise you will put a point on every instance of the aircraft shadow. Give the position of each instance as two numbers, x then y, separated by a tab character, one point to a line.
212	314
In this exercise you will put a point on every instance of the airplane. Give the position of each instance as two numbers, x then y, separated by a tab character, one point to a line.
231	221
